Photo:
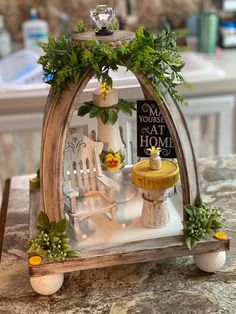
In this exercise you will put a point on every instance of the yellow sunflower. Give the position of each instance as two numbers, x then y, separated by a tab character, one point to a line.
35	260
221	235
104	90
112	162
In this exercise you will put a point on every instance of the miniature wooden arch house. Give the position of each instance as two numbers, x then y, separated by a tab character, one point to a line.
147	182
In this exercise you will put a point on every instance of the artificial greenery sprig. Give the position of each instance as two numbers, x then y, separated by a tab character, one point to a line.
108	115
51	240
156	56
203	222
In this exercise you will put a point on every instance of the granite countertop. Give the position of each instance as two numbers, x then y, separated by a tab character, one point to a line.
173	286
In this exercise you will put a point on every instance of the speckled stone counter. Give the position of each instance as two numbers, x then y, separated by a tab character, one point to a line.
173	286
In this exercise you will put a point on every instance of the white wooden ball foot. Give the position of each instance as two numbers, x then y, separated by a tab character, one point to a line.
210	262
47	285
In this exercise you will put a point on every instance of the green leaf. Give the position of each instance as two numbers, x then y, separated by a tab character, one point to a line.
208	225
38	251
198	201
113	116
104	116
80	27
94	112
55	239
190	242
73	253
64	239
210	232
83	110
146	33
185	224
114	25
66	247
189	209
61	225
73	58
52	228
43	220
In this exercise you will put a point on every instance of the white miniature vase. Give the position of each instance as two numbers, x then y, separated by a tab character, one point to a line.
110	136
113	145
155	161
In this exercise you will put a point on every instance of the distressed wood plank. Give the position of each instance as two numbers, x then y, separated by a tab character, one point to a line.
115	39
34	209
55	127
3	212
140	245
144	251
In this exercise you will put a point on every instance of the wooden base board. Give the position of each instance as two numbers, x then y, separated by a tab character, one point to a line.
133	252
100	254
143	251
3	212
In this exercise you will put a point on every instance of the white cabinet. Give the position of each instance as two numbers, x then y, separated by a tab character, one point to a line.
211	124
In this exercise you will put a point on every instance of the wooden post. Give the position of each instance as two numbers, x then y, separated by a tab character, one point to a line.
56	124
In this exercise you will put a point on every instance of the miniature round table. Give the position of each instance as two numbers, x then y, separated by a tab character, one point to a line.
155	184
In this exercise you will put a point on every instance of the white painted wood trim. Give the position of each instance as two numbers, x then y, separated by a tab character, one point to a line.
224	106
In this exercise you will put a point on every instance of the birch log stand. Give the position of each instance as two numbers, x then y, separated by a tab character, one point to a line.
58	114
155	184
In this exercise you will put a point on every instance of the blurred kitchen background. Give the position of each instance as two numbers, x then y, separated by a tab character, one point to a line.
210	54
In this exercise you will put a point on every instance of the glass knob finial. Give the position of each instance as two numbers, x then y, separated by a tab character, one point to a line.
102	16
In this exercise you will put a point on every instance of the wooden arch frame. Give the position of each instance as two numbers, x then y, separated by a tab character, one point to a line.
57	118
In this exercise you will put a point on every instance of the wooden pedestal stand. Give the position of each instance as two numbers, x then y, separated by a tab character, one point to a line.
56	123
155	184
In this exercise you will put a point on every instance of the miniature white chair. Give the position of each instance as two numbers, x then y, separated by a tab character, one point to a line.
86	190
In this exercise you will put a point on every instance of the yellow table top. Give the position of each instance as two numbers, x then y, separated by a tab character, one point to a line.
147	179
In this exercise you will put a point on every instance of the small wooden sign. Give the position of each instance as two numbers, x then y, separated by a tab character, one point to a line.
152	130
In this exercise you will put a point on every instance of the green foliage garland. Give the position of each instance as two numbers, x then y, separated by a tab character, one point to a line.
203	222
155	55
108	115
51	240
